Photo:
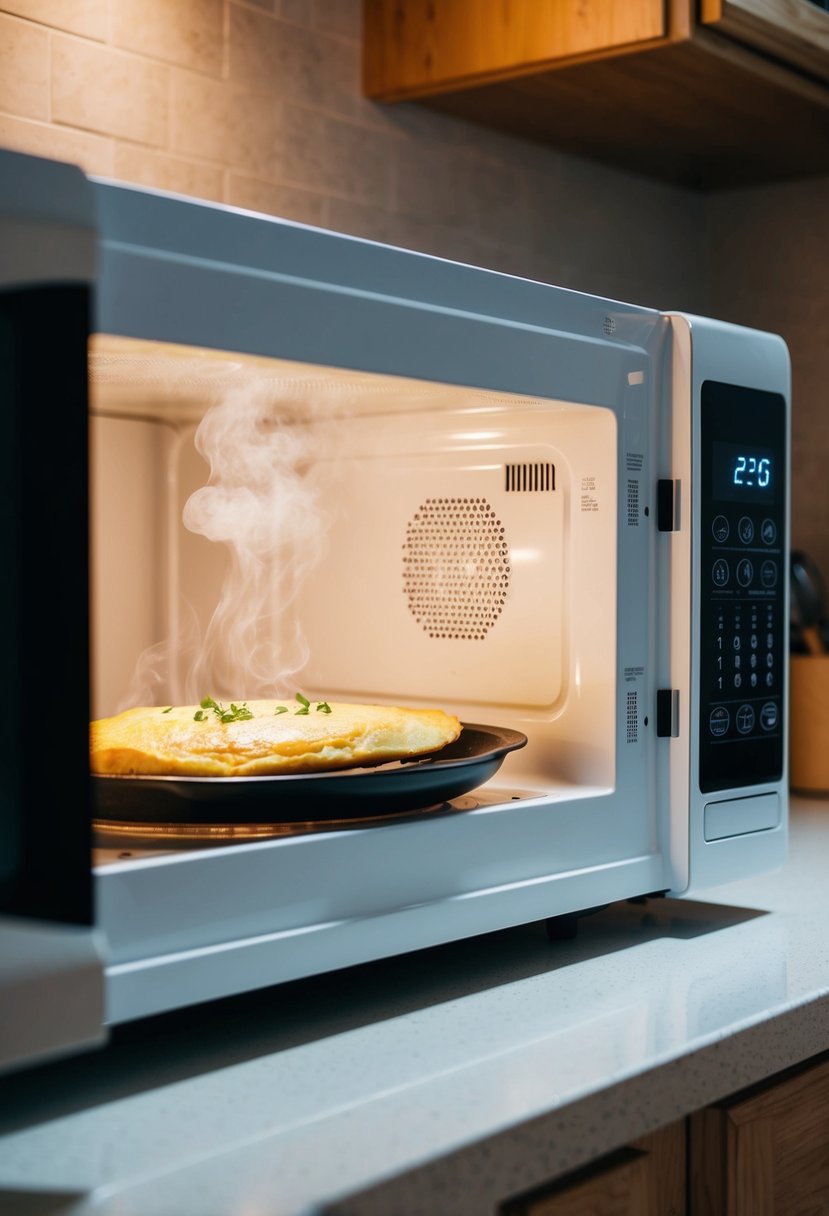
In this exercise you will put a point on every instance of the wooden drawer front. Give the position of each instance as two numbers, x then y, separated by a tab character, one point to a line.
766	1154
645	1179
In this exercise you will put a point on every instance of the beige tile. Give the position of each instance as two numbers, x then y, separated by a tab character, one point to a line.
87	17
145	167
93	153
291	61
186	32
273	199
24	68
105	90
219	121
355	219
301	12
433	180
342	17
338	158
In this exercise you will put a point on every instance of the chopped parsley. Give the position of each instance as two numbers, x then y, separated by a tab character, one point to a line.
236	713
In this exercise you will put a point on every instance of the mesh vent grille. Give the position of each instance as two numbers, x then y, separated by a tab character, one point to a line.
456	567
633	504
529	477
632	718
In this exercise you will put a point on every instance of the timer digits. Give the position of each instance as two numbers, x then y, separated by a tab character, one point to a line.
752	471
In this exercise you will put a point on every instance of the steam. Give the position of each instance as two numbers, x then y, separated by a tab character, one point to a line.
259	503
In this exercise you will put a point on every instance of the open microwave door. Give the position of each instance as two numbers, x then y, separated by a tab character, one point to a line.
51	972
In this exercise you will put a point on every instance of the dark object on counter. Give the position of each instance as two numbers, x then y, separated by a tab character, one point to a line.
809	610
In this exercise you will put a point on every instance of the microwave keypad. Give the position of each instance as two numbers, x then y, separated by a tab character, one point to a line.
743	636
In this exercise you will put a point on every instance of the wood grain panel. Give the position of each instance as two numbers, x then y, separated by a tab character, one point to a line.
639	85
792	31
413	47
764	1154
679	113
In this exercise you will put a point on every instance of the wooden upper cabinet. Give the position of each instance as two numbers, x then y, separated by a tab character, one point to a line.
793	31
413	49
705	93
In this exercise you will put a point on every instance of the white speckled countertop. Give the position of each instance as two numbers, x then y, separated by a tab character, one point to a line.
442	1082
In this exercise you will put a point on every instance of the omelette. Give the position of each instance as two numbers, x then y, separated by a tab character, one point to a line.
263	738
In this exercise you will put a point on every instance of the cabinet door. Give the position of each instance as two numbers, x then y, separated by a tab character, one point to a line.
416	47
795	32
765	1153
645	1179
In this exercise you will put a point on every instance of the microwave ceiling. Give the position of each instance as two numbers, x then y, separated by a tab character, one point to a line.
177	384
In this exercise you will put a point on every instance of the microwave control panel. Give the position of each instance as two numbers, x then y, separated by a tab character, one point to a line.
743	571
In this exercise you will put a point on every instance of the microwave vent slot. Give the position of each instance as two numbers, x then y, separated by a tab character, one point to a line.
632	718
633	504
529	478
456	567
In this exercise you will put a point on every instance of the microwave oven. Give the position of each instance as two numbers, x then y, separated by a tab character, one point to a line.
244	457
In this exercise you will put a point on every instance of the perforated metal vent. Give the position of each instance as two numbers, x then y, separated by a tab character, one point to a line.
456	567
528	477
609	326
633	504
632	718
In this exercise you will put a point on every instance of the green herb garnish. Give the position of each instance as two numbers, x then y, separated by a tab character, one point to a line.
236	713
323	707
167	710
304	703
281	709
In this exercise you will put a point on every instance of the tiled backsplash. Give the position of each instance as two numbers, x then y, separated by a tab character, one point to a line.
257	103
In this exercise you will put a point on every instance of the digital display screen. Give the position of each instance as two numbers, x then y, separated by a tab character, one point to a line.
744	472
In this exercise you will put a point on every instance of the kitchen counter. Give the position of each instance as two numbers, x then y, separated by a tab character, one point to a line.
441	1082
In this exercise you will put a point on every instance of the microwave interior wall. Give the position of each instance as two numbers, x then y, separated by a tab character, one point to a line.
262	528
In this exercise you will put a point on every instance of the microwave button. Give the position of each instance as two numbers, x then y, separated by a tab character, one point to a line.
720	529
745	529
719	721
768	715
720	572
768	531
737	816
745	572
745	719
768	573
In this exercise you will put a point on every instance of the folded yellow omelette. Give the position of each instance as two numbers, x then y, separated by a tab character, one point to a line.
263	738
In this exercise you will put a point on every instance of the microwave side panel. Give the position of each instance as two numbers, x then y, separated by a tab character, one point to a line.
729	603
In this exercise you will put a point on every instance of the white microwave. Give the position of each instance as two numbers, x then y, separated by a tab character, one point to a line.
246	457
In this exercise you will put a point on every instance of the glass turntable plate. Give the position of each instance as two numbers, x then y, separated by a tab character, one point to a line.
393	788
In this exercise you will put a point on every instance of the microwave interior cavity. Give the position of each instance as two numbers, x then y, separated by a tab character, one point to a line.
262	527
